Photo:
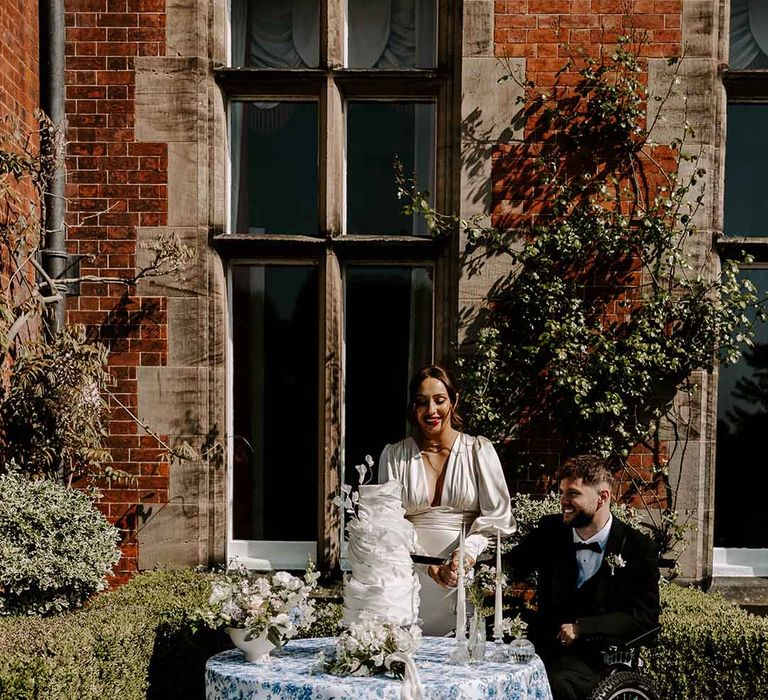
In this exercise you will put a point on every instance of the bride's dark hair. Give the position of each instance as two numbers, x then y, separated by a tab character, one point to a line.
443	375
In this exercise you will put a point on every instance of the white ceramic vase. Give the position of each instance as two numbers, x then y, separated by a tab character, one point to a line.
256	650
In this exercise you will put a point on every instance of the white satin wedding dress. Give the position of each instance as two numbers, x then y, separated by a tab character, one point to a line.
474	494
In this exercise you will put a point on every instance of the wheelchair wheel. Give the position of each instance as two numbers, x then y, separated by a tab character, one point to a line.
625	685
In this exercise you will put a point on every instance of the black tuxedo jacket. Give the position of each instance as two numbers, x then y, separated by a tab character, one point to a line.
611	606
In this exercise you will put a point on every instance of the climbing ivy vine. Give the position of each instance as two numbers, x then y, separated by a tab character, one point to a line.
613	300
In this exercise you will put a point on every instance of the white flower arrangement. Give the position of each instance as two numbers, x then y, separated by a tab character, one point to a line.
615	561
370	646
278	604
514	627
481	582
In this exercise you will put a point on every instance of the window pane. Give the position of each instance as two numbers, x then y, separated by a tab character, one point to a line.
274	167
742	426
388	336
275	33
746	151
391	33
377	132
275	368
749	34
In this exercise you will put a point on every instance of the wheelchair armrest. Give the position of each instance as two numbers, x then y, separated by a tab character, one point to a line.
628	653
643	640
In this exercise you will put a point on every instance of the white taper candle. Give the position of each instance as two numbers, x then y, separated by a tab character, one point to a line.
461	605
497	607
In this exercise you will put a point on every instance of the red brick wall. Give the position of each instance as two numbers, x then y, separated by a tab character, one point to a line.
524	28
19	97
546	33
19	66
115	184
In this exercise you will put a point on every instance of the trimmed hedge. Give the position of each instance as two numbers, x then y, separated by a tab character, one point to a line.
140	642
119	647
143	642
708	649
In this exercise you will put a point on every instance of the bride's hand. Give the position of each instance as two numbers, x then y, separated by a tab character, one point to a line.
453	565
442	575
447	575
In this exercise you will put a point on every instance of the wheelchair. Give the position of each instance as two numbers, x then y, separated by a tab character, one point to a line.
623	679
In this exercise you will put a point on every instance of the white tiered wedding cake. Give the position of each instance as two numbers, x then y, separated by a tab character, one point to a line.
380	544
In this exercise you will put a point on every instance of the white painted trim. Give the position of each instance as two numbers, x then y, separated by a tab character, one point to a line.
739	562
270	555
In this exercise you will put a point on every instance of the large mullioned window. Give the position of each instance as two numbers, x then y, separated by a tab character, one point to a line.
332	289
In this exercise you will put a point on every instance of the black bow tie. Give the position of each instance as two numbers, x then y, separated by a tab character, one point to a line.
592	546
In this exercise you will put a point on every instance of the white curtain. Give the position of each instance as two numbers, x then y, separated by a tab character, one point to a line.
381	33
277	34
237	58
749	34
391	33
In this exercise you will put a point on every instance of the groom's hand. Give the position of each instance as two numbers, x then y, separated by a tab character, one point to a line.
568	633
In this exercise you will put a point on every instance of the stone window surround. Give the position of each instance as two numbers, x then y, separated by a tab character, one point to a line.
331	85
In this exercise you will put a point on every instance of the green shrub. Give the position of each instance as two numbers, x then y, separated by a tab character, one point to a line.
709	649
56	549
140	642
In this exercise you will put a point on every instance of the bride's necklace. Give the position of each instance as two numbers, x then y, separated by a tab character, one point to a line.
429	452
428	460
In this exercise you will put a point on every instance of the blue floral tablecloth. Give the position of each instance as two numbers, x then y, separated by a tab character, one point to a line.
228	676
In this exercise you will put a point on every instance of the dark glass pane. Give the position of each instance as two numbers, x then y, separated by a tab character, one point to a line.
742	427
275	33
274	167
388	336
391	34
746	151
749	35
275	345
377	132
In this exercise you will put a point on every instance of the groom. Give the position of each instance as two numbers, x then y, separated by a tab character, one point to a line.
598	580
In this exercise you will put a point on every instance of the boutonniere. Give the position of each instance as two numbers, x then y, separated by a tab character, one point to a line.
615	561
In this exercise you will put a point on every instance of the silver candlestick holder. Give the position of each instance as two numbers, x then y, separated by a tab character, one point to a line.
500	651
460	654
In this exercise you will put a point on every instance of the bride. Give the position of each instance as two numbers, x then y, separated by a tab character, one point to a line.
449	479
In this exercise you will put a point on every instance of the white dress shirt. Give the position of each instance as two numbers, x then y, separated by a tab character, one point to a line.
589	562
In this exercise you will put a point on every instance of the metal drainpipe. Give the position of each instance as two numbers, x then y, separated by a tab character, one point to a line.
53	251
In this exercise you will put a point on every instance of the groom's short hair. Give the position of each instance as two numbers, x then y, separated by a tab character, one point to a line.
591	469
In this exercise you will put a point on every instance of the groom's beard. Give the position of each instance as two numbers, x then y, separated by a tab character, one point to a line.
581	519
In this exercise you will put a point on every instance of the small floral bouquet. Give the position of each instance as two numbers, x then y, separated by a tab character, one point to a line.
276	606
370	646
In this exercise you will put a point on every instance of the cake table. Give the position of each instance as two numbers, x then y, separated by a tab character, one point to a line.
228	676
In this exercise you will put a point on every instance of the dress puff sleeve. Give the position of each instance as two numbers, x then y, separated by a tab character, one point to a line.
493	499
387	469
